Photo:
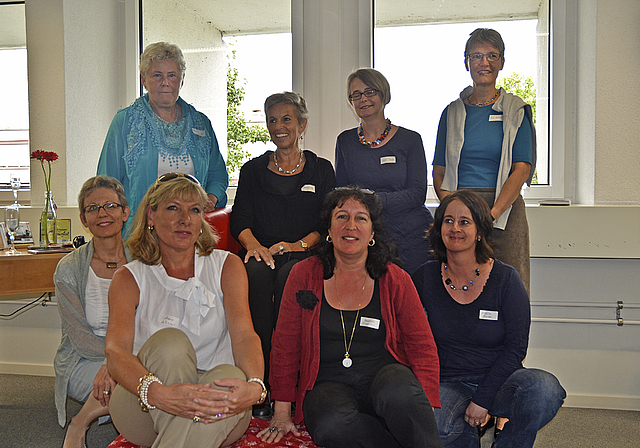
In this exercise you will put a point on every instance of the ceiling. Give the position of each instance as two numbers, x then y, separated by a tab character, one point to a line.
273	16
259	17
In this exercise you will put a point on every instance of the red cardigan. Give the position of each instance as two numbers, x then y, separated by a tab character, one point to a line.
295	351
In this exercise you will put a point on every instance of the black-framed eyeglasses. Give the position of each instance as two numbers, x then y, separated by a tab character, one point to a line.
94	209
173	175
355	96
477	57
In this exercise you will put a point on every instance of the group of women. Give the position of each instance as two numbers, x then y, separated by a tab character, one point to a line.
189	329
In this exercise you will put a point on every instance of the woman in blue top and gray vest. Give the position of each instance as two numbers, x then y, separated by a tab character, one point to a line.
486	141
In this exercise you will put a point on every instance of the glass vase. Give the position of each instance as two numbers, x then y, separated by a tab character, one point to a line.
48	221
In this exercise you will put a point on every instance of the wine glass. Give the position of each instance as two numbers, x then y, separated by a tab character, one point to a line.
15	186
12	220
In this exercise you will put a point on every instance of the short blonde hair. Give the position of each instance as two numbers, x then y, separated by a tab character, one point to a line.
143	241
162	51
101	181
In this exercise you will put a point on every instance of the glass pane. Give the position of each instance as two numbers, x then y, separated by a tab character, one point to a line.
424	64
14	113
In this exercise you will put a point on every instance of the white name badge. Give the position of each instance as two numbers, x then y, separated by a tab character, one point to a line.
387	159
495	117
370	322
200	132
172	321
488	315
309	188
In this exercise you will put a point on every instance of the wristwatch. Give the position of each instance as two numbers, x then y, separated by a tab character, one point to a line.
304	245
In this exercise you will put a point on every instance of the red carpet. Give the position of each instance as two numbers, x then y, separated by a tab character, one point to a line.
249	439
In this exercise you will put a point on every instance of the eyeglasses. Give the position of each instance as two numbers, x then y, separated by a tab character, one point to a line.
94	209
477	57
355	96
170	176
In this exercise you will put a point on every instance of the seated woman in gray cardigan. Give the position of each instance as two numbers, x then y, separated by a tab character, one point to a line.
82	281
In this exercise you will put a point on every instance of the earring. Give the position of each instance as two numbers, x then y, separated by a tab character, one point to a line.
328	239
201	231
372	242
150	227
479	238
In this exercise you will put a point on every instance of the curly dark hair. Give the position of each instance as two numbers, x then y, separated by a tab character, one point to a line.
481	214
381	253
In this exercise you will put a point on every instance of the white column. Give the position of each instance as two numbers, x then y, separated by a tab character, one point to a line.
331	38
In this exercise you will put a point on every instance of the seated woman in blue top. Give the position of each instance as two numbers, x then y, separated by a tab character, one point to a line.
388	159
479	313
161	133
486	141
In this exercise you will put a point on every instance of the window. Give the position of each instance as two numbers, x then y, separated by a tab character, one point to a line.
421	52
14	113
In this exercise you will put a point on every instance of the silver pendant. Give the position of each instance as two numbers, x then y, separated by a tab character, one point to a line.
346	362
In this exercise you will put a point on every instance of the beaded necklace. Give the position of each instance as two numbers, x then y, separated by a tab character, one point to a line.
486	103
377	142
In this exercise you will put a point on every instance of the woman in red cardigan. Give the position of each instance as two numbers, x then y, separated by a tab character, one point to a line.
353	347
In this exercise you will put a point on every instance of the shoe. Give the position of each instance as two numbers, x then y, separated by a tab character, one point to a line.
483	428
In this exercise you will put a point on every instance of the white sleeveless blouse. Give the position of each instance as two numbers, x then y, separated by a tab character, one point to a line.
194	306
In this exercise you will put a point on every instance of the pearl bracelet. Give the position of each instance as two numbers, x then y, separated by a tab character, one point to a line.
263	396
143	390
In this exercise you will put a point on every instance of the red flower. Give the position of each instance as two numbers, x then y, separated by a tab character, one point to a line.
42	156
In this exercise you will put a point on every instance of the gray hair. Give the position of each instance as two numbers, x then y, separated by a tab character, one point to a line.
101	181
293	98
372	78
484	36
162	51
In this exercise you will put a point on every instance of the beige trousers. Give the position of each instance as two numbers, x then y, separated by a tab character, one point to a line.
170	355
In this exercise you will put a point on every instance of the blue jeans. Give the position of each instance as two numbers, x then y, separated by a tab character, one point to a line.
529	398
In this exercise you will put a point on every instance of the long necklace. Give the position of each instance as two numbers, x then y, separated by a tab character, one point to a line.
347	361
275	162
110	264
377	142
486	103
450	284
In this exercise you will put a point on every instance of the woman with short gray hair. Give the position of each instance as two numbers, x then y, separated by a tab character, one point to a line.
160	133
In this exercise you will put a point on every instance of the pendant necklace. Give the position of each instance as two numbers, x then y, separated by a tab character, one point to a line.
450	284
275	162
110	264
347	361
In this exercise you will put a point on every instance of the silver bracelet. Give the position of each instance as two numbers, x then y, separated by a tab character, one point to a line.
263	396
143	390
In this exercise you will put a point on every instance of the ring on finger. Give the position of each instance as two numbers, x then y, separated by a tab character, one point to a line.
281	247
273	429
106	392
218	415
196	419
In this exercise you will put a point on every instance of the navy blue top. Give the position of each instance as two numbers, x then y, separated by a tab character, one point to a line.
486	339
397	173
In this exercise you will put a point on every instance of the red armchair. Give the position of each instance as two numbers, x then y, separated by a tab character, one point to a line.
219	220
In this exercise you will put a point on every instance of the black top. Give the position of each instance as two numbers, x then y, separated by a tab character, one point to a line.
367	350
281	208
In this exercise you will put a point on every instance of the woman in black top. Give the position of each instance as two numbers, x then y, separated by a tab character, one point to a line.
276	211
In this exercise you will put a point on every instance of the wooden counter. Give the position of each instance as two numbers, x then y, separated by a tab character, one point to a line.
28	273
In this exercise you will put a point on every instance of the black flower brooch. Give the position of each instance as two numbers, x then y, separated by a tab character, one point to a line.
307	299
